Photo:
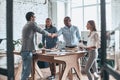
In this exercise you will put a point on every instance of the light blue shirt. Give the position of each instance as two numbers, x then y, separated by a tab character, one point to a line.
71	35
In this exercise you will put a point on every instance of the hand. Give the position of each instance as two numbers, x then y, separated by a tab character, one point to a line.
50	35
44	46
54	35
90	48
81	45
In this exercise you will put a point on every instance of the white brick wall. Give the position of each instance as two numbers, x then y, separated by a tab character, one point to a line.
20	8
2	19
115	13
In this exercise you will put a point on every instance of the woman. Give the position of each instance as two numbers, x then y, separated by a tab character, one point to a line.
50	43
93	44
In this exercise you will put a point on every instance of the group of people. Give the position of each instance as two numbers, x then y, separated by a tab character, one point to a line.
71	37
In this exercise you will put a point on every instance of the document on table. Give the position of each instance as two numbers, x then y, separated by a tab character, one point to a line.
64	52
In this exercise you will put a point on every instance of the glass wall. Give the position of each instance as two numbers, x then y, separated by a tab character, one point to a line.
84	10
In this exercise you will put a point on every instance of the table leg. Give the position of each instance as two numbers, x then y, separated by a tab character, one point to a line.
78	73
61	69
77	69
74	63
65	73
38	70
33	69
19	70
70	74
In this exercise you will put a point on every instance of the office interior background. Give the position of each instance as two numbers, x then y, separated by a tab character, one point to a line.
80	12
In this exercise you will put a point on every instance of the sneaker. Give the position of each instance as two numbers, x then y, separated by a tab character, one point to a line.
96	75
51	77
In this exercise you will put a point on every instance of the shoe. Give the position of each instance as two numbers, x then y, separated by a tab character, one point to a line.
96	75
52	77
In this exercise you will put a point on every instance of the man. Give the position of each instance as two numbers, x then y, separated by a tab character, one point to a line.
28	32
70	33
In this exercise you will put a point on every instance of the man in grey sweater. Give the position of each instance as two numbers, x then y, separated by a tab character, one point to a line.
28	32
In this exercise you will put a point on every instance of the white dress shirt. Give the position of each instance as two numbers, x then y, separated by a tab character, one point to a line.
93	40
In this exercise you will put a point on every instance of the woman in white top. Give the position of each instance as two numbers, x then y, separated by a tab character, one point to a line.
93	44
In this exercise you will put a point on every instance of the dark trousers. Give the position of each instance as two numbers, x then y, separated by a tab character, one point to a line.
53	68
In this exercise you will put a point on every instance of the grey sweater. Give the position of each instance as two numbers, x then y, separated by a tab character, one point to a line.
28	35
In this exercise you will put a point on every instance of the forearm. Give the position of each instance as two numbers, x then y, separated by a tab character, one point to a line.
91	47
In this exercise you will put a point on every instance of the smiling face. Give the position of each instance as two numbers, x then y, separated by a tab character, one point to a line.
33	18
88	26
91	25
48	22
67	21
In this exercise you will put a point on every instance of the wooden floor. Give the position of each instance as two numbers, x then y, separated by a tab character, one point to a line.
46	73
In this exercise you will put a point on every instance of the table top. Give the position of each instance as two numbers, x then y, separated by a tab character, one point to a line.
57	57
59	53
48	52
3	53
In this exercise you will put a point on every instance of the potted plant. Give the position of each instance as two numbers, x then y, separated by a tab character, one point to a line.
40	45
17	44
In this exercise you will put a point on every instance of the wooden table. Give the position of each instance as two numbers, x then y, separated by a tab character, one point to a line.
19	70
69	60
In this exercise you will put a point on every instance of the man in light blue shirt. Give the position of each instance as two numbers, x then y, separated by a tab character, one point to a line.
70	33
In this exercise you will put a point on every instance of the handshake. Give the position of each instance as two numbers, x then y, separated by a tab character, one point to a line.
52	35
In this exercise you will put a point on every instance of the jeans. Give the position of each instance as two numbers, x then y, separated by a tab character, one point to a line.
26	66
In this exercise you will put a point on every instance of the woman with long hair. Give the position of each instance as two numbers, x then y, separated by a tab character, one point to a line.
93	44
49	43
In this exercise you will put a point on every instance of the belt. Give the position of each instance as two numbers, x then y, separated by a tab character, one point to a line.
70	46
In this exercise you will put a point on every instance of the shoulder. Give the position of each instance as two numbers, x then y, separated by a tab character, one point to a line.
95	33
75	27
63	28
54	27
33	24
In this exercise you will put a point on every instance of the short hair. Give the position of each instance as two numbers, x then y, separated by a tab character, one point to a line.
29	15
68	18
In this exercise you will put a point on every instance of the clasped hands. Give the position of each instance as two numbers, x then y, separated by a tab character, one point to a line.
52	35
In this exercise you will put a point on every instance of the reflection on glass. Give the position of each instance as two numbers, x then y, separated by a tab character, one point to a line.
90	13
77	18
108	18
106	1
89	2
60	14
87	11
76	3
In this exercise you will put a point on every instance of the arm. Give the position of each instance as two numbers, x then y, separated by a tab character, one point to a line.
57	34
56	38
96	42
39	30
78	34
43	40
